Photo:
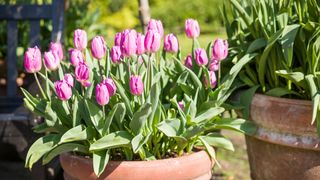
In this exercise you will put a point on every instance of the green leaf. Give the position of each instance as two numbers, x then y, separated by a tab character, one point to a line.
140	118
170	127
153	99
78	133
76	115
41	147
296	77
138	141
219	141
120	114
96	115
315	96
124	96
240	125
208	114
100	161
209	149
256	45
62	148
246	99
112	140
278	92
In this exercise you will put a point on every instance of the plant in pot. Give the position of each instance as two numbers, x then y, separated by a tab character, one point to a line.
279	43
132	110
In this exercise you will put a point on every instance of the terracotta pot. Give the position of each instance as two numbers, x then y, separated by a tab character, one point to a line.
194	166
285	145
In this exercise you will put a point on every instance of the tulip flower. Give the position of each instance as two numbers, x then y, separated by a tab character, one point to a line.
192	28
171	43
220	49
213	80
128	42
76	56
32	60
57	48
115	54
188	61
82	73
140	44
181	105
69	79
63	90
80	39
102	94
111	86
136	85
51	60
152	41
201	57
98	47
117	39
156	25
214	65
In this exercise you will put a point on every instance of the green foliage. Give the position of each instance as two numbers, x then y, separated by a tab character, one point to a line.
285	35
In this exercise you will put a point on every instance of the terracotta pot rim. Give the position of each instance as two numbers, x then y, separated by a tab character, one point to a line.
286	100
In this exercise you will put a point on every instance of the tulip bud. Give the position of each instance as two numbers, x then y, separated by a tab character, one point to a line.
156	25
117	39
152	41
220	49
213	80
188	61
51	60
98	47
181	105
140	44
82	73
128	42
115	54
136	85
32	60
214	65
112	88
102	94
201	57
192	28
171	43
76	56
57	48
80	39
69	79
63	90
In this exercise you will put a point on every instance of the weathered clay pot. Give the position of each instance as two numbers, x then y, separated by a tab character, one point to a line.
285	145
194	166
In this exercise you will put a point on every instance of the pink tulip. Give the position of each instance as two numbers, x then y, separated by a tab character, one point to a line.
213	80
115	54
192	28
181	105
80	39
63	90
136	85
82	73
57	48
140	44
102	94
69	79
201	57
51	60
117	39
214	65
128	42
76	56
156	25
220	49
171	43
111	86
32	60
98	47
152	41
188	61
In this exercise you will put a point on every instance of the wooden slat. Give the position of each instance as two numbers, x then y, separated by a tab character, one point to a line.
24	12
12	38
34	33
57	20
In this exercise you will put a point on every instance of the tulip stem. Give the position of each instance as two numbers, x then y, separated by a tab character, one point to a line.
39	85
219	73
100	69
